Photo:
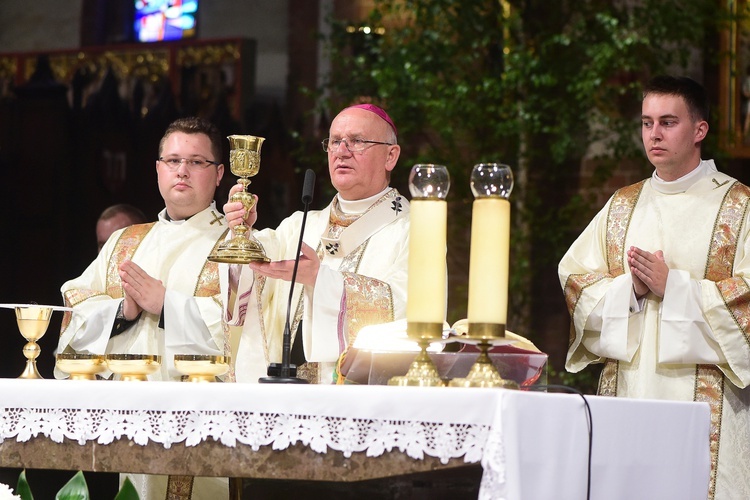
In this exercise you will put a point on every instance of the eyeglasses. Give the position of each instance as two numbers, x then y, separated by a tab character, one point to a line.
196	163
352	145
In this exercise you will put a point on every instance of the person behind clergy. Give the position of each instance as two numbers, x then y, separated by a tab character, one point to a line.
151	289
657	288
353	267
116	217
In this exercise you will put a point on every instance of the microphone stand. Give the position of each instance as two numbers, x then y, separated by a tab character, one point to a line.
286	373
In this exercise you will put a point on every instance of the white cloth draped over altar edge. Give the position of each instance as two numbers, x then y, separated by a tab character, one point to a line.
513	433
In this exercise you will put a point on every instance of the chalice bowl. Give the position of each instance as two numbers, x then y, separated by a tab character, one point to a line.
33	321
244	162
201	367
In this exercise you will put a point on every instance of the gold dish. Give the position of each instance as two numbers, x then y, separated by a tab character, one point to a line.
133	367
81	366
201	367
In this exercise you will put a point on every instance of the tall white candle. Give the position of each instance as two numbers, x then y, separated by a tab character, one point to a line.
489	258
426	285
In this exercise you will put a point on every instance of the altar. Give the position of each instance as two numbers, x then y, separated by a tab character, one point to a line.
529	444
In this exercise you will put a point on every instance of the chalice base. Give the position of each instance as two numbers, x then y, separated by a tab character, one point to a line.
239	250
483	373
421	373
30	372
31	350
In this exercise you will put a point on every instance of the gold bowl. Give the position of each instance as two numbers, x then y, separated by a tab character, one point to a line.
201	367
133	367
81	366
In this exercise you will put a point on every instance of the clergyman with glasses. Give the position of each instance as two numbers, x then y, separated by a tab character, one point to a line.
353	267
150	290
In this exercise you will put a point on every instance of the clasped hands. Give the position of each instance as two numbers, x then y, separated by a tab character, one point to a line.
142	292
649	271
309	263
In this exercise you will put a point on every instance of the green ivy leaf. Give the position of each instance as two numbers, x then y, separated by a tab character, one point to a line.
75	489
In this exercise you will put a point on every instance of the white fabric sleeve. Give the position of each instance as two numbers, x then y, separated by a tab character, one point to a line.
617	317
322	317
685	336
187	324
94	326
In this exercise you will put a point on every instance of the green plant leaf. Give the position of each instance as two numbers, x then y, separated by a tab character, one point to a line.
75	489
22	488
127	492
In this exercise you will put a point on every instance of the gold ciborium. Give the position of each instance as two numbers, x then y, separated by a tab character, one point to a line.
133	367
201	367
33	321
244	162
81	366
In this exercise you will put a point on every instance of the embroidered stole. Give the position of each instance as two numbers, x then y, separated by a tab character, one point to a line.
127	243
709	380
367	301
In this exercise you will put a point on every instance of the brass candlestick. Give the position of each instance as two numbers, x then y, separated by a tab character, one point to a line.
426	287
244	162
491	184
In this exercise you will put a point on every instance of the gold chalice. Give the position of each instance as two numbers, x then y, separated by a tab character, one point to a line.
201	367
133	367
81	366
33	321
244	162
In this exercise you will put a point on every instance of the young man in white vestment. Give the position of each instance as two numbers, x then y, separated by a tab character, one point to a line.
151	289
657	284
353	268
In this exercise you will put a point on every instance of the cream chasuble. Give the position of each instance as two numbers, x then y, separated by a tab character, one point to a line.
362	281
694	344
174	252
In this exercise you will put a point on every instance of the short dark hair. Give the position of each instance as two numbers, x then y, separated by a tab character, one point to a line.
196	125
133	213
691	91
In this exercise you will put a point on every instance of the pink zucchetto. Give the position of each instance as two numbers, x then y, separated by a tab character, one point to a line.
378	111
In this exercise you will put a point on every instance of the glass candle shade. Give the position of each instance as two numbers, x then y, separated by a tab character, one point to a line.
491	184
426	286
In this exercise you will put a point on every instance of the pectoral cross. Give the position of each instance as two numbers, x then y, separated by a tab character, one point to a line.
216	219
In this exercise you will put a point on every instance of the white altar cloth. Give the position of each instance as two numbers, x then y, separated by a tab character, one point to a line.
530	445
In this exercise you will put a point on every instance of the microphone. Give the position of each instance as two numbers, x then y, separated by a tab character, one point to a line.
286	373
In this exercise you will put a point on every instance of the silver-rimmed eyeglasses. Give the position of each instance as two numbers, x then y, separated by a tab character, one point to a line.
353	145
194	163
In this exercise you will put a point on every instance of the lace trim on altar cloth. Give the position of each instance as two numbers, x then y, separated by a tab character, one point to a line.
473	442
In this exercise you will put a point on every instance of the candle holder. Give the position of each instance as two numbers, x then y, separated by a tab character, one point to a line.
426	287
491	184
